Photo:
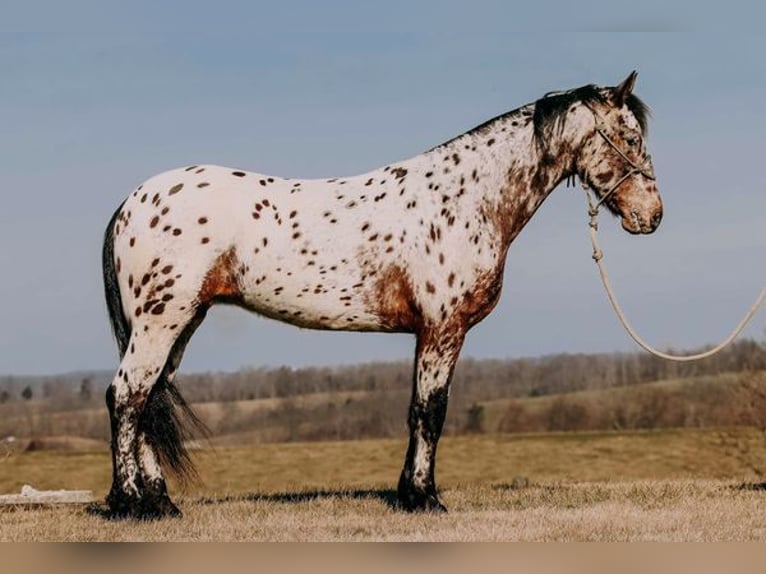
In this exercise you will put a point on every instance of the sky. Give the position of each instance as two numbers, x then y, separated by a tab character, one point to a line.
95	97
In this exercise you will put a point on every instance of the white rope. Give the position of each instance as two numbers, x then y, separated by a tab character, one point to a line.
598	256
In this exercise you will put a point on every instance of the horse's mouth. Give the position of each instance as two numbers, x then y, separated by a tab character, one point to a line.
634	224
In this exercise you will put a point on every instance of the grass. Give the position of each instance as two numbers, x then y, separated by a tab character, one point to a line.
699	510
662	485
477	459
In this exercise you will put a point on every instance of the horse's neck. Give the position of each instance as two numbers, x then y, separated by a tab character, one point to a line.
510	173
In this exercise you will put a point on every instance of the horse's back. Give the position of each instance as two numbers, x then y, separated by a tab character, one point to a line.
296	250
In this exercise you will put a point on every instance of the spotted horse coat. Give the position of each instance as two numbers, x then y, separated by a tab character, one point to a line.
417	246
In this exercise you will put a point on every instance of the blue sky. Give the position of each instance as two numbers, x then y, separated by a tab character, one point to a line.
98	96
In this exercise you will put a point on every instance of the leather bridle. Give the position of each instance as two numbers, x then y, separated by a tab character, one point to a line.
646	169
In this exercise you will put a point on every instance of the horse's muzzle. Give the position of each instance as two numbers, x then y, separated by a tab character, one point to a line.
636	224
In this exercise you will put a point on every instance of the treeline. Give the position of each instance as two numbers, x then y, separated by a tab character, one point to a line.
371	400
481	379
478	379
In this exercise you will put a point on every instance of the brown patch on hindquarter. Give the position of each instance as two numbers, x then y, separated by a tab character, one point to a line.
221	280
393	300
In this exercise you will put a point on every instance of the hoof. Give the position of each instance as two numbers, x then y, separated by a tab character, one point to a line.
147	507
156	507
412	500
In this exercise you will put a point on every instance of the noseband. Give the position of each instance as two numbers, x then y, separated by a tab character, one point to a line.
646	169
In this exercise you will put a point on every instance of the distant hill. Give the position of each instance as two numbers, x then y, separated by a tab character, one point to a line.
553	393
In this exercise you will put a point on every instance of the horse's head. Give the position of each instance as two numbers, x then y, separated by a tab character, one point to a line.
613	159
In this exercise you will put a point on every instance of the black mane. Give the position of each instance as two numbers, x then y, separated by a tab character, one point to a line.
551	109
550	112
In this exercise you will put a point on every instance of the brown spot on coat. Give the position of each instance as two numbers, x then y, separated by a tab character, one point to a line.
155	220
605	177
430	288
392	299
221	280
176	188
478	302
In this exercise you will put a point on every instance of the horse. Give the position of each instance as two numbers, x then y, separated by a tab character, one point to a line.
418	246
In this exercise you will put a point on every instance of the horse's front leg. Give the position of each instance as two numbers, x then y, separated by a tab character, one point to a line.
436	355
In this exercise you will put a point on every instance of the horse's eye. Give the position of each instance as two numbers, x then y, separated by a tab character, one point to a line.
632	142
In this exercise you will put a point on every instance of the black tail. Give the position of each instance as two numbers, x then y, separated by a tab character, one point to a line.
167	420
120	325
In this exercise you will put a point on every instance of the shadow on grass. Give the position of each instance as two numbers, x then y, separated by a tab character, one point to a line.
101	510
387	496
756	486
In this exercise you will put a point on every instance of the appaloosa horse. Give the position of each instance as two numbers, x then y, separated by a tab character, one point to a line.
418	246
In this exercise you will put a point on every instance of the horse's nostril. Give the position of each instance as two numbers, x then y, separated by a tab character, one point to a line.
656	218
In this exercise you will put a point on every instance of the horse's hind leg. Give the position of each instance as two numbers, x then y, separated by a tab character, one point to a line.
156	423
436	355
142	366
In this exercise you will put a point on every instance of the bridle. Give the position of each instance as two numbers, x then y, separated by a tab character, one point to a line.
647	170
598	255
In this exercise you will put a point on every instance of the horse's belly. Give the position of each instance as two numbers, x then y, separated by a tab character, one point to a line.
309	304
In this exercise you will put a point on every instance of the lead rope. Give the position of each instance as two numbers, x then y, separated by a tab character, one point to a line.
598	256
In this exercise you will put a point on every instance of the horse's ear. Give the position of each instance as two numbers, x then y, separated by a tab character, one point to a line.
624	90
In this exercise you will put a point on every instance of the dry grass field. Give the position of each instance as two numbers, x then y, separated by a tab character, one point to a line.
678	510
661	485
